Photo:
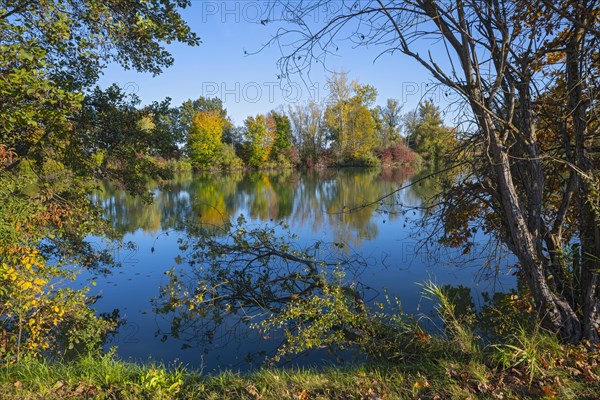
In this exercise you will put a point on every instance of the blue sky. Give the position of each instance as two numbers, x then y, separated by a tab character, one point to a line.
248	84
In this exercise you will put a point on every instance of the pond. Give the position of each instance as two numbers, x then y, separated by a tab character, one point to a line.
329	206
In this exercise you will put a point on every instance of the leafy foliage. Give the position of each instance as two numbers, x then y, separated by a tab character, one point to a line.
350	123
260	134
236	269
282	141
54	141
427	136
204	138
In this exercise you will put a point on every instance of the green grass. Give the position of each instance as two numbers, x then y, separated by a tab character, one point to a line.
436	375
527	363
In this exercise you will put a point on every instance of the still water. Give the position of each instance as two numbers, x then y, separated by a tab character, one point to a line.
318	206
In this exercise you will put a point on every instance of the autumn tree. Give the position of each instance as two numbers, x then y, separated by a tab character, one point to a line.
495	57
189	108
308	130
51	53
204	138
349	119
259	134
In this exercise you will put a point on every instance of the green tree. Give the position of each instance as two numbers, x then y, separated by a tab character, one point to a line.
390	118
204	138
283	134
428	135
118	136
78	37
259	140
167	138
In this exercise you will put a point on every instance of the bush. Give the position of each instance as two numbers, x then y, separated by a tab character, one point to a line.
365	160
174	165
228	159
37	318
402	154
398	154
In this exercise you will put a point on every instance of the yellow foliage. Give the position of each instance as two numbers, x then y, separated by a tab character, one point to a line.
204	138
30	313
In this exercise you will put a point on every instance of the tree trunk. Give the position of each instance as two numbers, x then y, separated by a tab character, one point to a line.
588	220
555	312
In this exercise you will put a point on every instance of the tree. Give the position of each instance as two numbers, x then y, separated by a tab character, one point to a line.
336	113
501	59
309	134
349	120
259	140
362	134
429	137
78	37
189	108
204	138
118	136
55	141
390	118
283	133
167	138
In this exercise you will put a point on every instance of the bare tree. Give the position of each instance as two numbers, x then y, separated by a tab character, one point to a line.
308	130
510	61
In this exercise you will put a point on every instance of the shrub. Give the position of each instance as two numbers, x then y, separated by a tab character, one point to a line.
228	159
39	319
365	160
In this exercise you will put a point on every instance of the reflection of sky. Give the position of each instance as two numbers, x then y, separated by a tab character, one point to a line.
395	261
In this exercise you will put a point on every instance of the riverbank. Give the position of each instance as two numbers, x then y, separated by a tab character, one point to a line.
442	372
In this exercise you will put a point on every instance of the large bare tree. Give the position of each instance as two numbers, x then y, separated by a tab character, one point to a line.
528	76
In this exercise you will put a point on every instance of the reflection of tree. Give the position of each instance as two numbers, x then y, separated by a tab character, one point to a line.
352	189
285	184
128	213
208	197
328	201
263	203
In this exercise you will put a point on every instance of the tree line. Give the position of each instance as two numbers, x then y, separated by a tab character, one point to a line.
346	129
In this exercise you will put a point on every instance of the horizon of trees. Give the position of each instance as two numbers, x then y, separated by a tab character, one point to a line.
349	129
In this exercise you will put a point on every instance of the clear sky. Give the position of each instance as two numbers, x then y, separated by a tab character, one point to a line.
248	84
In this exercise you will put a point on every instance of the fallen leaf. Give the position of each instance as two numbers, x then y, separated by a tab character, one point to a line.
58	385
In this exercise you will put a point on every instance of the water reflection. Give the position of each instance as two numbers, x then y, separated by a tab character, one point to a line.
320	201
319	206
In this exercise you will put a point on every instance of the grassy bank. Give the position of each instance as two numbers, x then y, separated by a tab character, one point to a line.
499	352
441	373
